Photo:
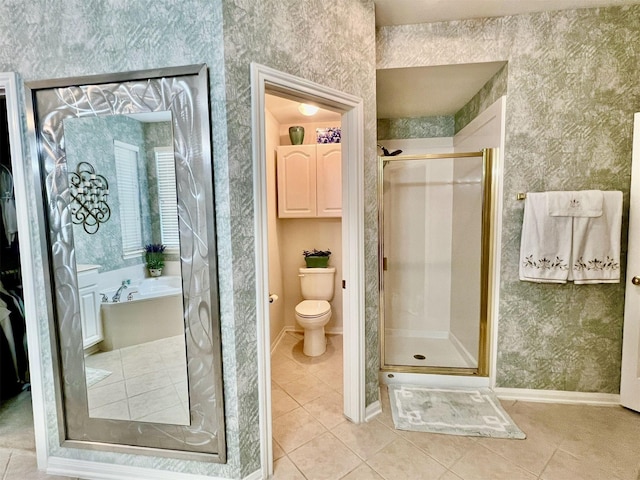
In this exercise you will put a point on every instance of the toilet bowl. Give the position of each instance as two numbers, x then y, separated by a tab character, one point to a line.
313	315
314	312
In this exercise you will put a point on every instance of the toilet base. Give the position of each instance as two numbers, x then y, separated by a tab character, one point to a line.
315	343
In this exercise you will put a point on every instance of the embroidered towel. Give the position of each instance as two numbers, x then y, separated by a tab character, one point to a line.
545	246
583	203
596	243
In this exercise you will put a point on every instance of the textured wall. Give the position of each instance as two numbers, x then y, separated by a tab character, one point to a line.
572	90
491	91
416	127
332	44
51	39
91	140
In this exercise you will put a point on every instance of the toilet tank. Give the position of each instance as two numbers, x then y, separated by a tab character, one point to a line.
317	283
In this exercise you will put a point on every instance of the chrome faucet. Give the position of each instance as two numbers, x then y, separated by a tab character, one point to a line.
116	297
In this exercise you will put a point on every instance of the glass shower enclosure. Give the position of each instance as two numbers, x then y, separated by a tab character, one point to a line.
435	222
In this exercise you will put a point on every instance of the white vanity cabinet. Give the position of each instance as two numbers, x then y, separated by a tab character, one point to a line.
89	305
309	180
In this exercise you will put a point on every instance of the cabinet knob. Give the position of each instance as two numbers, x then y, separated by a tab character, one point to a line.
635	280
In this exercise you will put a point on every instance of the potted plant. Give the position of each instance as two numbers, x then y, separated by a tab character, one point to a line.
154	256
316	258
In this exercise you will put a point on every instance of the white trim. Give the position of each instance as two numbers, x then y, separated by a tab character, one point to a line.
257	475
91	470
373	411
433	380
557	396
8	83
263	78
497	109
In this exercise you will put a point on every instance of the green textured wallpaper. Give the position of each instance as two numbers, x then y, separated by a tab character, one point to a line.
572	88
417	127
495	88
330	43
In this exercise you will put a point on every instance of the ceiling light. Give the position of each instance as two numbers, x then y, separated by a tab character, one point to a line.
307	110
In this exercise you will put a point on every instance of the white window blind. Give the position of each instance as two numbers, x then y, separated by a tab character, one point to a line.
167	201
129	197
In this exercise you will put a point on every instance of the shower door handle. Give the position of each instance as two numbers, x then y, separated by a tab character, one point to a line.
635	280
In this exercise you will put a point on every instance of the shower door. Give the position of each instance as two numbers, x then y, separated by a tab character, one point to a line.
435	225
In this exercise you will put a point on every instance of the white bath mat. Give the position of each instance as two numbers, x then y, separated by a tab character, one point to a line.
474	413
94	375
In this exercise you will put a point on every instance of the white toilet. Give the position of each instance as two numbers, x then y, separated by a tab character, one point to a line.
314	312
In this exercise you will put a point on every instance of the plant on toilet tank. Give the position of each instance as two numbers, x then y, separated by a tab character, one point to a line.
316	258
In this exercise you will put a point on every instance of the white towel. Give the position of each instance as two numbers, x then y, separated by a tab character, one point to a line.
583	203
545	247
595	256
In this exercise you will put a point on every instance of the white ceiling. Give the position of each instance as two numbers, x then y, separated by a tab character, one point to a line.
286	111
428	91
404	12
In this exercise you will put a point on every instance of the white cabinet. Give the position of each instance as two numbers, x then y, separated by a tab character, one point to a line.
309	181
89	305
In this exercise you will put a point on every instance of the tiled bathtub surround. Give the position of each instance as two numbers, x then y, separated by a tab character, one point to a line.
572	90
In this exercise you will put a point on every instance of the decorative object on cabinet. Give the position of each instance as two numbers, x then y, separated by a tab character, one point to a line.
296	134
329	135
316	258
89	193
309	181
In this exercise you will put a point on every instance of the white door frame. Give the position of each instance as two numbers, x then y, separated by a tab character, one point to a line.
265	79
9	84
629	378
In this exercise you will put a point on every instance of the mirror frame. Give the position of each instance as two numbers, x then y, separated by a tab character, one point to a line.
184	92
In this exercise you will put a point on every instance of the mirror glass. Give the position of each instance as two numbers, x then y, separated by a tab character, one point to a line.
127	190
137	369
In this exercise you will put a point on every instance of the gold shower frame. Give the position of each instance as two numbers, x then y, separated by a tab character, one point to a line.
487	285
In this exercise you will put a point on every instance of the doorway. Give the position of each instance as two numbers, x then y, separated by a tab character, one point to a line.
21	418
435	217
266	80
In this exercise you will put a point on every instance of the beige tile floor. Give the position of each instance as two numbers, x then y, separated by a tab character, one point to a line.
148	383
312	440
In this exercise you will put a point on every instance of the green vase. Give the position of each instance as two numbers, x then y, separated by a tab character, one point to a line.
296	134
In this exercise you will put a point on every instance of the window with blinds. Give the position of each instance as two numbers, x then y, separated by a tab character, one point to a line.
167	201
126	157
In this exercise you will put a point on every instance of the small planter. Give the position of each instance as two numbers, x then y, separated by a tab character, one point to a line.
316	262
155	272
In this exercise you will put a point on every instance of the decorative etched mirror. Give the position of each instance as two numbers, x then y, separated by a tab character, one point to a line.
138	347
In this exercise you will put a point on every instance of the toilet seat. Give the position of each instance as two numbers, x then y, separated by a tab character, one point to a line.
312	308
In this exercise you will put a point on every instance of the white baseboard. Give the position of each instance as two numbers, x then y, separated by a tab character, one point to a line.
372	411
88	470
557	396
257	475
279	338
286	329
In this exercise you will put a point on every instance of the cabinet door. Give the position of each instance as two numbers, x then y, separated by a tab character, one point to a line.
90	316
329	179
296	167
